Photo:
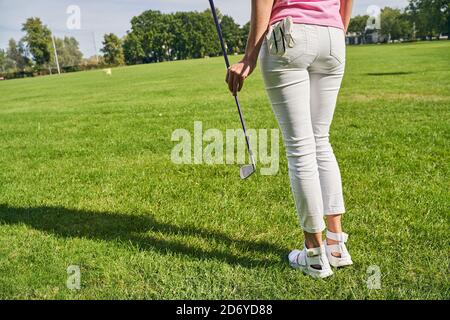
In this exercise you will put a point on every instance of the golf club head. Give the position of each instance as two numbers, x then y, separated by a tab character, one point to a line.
246	171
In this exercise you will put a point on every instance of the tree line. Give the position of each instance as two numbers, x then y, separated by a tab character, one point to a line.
154	37
35	51
420	20
157	37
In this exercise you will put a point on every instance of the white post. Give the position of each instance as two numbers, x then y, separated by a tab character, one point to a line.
56	55
95	46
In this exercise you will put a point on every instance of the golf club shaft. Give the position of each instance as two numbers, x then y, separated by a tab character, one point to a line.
227	63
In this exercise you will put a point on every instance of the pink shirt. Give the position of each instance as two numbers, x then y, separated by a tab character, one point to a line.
318	12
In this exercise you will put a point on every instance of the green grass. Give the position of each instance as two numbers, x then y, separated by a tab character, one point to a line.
86	179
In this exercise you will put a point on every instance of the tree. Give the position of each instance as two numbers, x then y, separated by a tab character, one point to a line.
16	55
358	24
132	49
443	6
156	37
151	30
69	54
38	40
202	38
2	56
430	17
3	60
112	49
180	45
393	24
245	30
232	34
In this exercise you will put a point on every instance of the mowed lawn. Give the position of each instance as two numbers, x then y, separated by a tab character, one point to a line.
86	179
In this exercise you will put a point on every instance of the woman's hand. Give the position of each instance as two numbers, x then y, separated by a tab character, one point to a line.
237	74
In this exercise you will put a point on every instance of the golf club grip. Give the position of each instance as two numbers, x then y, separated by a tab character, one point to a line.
219	32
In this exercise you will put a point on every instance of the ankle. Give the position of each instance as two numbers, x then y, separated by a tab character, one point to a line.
334	223
313	240
313	244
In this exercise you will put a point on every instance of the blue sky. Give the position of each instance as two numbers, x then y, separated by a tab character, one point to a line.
101	16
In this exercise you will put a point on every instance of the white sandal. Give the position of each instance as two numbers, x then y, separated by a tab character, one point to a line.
345	259
305	259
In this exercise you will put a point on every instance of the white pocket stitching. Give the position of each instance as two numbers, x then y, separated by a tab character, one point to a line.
333	42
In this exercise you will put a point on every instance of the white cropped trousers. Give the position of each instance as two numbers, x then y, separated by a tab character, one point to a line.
303	85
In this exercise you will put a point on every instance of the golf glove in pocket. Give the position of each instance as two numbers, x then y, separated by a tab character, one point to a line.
279	37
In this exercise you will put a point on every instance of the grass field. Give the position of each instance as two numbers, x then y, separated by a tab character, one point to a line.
86	179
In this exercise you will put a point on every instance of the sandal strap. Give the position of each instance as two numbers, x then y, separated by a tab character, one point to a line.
338	248
313	252
341	237
335	248
314	260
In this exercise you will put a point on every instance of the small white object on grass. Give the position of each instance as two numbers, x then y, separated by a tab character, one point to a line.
108	71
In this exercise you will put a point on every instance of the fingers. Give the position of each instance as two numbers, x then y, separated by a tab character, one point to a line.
230	79
242	78
236	75
241	84
236	80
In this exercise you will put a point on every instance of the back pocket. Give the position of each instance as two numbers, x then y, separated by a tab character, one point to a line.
286	40
337	44
299	42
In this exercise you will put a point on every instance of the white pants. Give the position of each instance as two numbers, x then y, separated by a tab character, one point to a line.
303	86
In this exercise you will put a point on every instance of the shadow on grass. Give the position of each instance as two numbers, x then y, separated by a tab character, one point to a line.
399	73
71	223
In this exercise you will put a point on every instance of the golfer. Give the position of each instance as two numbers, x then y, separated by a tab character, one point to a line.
301	47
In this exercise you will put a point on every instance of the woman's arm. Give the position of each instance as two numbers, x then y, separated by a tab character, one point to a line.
237	73
346	12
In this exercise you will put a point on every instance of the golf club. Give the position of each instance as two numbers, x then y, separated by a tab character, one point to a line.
246	170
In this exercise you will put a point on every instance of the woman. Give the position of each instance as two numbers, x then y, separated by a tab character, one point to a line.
301	45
